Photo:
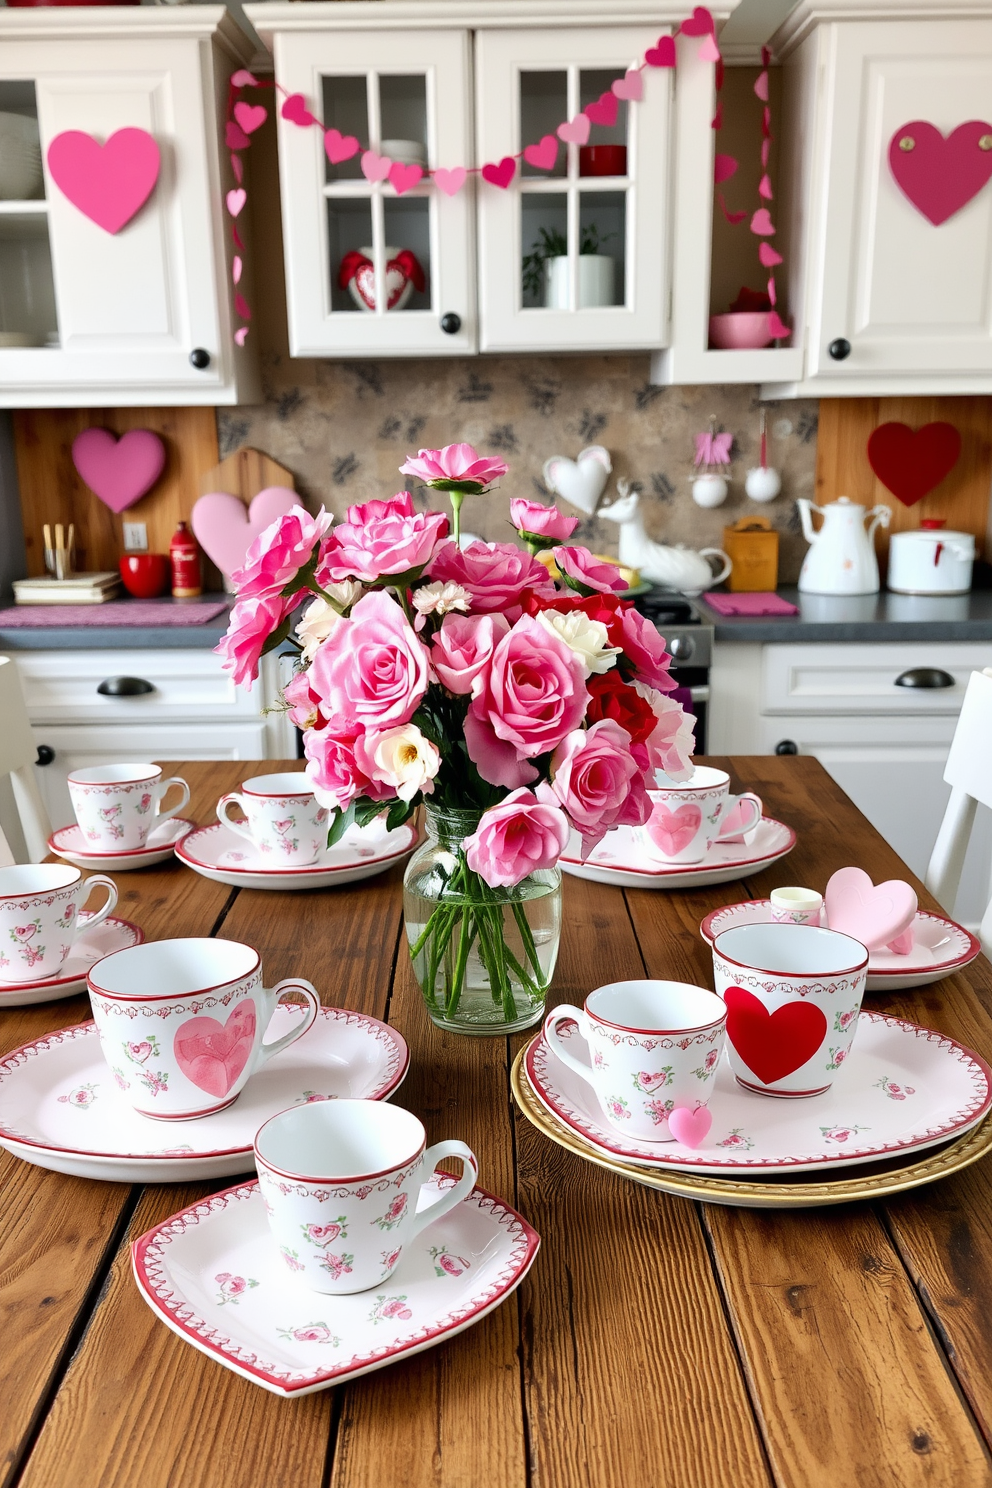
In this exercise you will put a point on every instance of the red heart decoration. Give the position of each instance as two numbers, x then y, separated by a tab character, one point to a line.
662	55
295	110
938	175
603	111
211	1054
234	136
700	23
910	465
773	1045
502	174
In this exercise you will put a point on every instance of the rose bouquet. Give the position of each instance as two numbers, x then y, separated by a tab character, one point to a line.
516	706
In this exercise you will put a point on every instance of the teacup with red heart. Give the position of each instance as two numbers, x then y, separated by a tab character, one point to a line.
654	1048
688	816
283	821
40	906
182	1024
793	995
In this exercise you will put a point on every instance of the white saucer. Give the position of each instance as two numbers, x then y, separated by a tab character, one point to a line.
901	1089
61	1109
220	854
620	860
112	935
940	946
69	843
214	1276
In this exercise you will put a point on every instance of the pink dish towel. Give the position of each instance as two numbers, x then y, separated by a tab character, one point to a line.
121	612
750	604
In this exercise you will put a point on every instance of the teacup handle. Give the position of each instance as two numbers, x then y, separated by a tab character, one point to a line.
448	1197
748	798
163	790
242	828
97	919
290	984
559	1015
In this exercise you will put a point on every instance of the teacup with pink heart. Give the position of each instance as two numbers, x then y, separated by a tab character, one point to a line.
117	806
182	1022
40	907
284	822
687	817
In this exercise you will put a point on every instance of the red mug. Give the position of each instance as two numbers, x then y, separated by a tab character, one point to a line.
602	160
145	575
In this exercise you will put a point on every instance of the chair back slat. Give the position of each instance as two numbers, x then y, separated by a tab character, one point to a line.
969	763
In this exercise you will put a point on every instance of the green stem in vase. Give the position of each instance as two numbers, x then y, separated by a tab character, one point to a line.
527	937
465	943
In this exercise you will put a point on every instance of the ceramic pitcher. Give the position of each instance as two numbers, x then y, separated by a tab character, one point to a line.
841	557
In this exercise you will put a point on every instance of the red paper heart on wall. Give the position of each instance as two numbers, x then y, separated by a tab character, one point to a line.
911	465
773	1045
938	175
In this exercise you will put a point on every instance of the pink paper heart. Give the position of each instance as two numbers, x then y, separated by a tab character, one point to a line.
630	86
450	181
604	110
241	335
339	147
724	166
691	1128
237	168
225	528
236	269
544	155
772	291
761	86
236	200
212	1054
768	255
250	116
243	79
662	55
234	136
762	224
404	177
708	50
119	471
778	328
671	831
938	175
375	167
502	174
295	110
873	914
242	306
108	183
700	23
575	131
765	187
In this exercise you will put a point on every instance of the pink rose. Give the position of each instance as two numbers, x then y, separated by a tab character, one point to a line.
371	671
644	648
381	538
457	465
533	694
277	555
515	838
670	744
595	777
494	574
251	623
463	647
531	517
579	565
397	1308
333	769
302	702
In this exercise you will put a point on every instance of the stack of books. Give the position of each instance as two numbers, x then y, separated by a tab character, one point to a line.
84	588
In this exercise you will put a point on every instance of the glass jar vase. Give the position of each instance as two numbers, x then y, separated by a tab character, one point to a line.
483	957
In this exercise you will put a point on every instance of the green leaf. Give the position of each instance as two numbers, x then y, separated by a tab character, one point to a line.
399	812
340	822
366	811
277	637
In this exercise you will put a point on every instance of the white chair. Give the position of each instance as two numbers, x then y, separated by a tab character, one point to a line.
18	753
969	774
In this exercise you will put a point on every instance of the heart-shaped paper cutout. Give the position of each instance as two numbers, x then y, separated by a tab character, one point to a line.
773	1045
871	913
119	471
375	167
544	155
450	181
295	110
250	116
225	528
404	177
604	110
211	1054
691	1128
108	183
575	131
581	482
940	176
500	174
235	137
724	166
235	200
911	465
708	50
762	224
662	55
769	256
700	23
630	86
672	831
339	147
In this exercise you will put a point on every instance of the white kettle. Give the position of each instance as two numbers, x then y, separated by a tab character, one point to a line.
841	557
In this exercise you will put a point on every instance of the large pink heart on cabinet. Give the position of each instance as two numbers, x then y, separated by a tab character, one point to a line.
938	175
109	183
119	471
671	831
211	1054
225	528
871	913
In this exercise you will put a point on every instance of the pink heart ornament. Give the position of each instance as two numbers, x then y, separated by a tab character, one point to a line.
108	183
544	155
241	335
119	471
708	50
604	110
339	147
724	166
768	255
700	23
629	87
236	200
940	176
212	1054
873	914
450	181
375	167
761	223
234	136
501	174
250	116
243	79
672	831
575	131
662	55
225	528
295	110
404	177
691	1128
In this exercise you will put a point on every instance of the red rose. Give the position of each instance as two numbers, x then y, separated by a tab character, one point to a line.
611	697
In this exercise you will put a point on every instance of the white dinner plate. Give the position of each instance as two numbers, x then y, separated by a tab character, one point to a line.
220	854
621	860
92	946
69	843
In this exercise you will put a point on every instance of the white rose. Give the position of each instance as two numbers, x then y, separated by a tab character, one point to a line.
441	599
400	758
319	619
589	639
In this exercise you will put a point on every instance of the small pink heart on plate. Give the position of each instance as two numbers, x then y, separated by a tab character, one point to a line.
450	181
375	167
872	913
691	1128
700	23
295	110
108	183
501	174
250	116
339	147
630	86
762	224
236	200
212	1054
575	131
604	110
119	471
404	177
543	155
672	831
662	55
225	528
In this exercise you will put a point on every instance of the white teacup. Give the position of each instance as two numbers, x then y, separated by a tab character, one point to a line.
342	1180
117	806
181	1022
795	906
689	816
39	917
285	822
653	1046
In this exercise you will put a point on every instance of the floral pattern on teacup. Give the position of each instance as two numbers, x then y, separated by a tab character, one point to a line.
322	1235
336	1265
617	1107
232	1287
841	1133
311	1333
291	1257
647	1083
707	1069
843	1021
142	1050
389	1307
659	1110
393	1214
156	1082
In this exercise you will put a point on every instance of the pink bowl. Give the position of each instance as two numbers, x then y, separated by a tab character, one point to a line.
740	330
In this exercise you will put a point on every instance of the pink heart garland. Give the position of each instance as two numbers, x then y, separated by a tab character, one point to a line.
761	86
243	79
691	1128
241	335
339	147
765	188
236	269
108	183
502	174
761	223
242	306
237	168
542	156
450	181
662	55
873	914
768	255
212	1054
119	471
938	175
630	86
604	110
375	167
404	177
671	831
225	528
236	200
778	328
708	50
234	136
700	23
295	110
724	166
575	131
250	116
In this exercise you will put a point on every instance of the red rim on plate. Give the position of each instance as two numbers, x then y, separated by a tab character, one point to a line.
76	976
674	870
184	854
128	852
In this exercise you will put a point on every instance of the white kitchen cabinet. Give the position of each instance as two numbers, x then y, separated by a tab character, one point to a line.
145	315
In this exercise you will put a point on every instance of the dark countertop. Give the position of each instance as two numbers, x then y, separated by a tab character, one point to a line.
202	637
863	617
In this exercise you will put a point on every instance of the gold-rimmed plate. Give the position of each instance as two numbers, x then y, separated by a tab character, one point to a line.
877	1181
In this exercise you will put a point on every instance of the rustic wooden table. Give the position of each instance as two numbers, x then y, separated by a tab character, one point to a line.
655	1342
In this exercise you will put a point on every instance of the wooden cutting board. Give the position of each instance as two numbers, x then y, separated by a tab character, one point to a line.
245	473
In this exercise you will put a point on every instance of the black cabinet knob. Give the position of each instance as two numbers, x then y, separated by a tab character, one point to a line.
451	323
45	754
125	687
925	677
840	349
786	746
199	358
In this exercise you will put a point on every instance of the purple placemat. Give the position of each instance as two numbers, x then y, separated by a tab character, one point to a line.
122	612
750	604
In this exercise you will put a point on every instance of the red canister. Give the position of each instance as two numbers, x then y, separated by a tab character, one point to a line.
184	554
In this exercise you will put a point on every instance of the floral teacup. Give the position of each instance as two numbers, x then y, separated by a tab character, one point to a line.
39	917
117	806
285	823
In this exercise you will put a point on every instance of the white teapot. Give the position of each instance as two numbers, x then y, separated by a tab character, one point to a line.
841	557
682	569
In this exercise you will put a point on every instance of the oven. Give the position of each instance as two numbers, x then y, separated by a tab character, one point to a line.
689	639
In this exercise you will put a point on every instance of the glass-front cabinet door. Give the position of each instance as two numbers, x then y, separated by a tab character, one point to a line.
573	254
379	260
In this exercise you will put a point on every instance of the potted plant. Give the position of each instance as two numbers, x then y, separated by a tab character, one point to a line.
545	269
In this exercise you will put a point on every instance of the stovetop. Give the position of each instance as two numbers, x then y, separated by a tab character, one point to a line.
687	635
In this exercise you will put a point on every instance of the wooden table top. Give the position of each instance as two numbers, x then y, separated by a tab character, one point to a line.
656	1341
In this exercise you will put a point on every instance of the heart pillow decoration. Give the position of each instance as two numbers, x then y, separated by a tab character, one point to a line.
581	482
225	528
108	183
119	471
940	176
909	464
875	914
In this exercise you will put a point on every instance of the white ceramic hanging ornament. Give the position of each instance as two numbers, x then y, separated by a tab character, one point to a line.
709	487
762	483
582	481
